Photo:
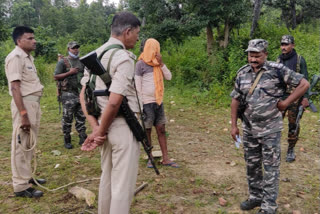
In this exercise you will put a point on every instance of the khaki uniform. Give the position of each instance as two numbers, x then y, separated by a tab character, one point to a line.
20	66
120	153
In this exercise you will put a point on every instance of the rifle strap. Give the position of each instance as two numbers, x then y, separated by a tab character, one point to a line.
106	76
254	85
298	69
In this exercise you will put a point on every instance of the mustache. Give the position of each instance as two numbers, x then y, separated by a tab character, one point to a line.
254	62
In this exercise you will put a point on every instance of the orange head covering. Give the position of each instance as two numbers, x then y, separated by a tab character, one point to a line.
151	48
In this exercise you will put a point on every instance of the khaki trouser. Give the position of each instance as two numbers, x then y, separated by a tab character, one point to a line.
19	158
119	164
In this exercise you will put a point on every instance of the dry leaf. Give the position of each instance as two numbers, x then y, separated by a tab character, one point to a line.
296	212
302	149
229	188
287	206
83	194
301	195
222	202
233	163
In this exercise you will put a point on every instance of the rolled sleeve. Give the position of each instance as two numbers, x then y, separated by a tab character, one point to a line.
59	67
85	78
292	78
235	92
15	68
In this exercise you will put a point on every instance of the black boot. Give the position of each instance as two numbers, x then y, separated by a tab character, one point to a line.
290	154
250	204
67	142
82	138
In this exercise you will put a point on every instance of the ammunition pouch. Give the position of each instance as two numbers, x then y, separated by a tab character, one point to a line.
90	99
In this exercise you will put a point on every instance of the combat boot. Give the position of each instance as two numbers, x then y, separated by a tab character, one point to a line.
82	138
250	204
290	155
67	142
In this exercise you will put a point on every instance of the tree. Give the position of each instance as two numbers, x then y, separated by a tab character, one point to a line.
3	22
256	15
216	13
163	19
23	14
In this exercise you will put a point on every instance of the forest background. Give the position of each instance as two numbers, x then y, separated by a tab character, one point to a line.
202	42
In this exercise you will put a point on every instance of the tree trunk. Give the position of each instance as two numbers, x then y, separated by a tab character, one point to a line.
293	14
226	33
256	15
209	39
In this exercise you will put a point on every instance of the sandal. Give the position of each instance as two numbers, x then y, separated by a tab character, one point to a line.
171	164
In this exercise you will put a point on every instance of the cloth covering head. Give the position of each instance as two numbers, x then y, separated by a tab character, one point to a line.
150	51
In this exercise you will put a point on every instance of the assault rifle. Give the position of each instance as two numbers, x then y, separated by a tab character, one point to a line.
93	63
299	116
241	109
313	83
313	108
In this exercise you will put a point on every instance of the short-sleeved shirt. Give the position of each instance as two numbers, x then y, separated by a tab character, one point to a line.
122	74
19	66
74	85
262	112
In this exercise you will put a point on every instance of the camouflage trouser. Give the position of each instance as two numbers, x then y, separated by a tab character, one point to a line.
292	110
72	108
266	151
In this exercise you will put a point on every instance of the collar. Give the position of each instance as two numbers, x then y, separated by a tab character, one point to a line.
289	55
22	52
116	41
264	67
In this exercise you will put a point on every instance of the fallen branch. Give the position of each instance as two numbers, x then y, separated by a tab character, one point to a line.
141	187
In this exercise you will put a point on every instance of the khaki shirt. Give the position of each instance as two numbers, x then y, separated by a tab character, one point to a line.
122	73
19	66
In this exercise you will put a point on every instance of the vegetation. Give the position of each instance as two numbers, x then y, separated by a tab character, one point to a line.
203	43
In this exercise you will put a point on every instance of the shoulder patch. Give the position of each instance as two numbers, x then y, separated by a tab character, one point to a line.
275	65
246	67
131	55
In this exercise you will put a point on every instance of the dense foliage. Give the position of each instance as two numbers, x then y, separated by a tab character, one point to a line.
182	27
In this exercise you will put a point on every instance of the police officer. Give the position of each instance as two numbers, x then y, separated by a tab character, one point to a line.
69	72
260	83
297	63
119	148
26	91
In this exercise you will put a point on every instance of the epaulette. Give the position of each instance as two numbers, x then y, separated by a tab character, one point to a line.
131	55
246	67
274	65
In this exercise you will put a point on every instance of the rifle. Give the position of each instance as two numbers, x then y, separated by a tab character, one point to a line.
314	82
299	116
241	109
93	63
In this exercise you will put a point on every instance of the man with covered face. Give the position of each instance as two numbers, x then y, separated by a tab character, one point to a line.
68	72
261	84
297	63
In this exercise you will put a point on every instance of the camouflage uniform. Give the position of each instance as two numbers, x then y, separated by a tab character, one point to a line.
291	60
261	141
70	99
